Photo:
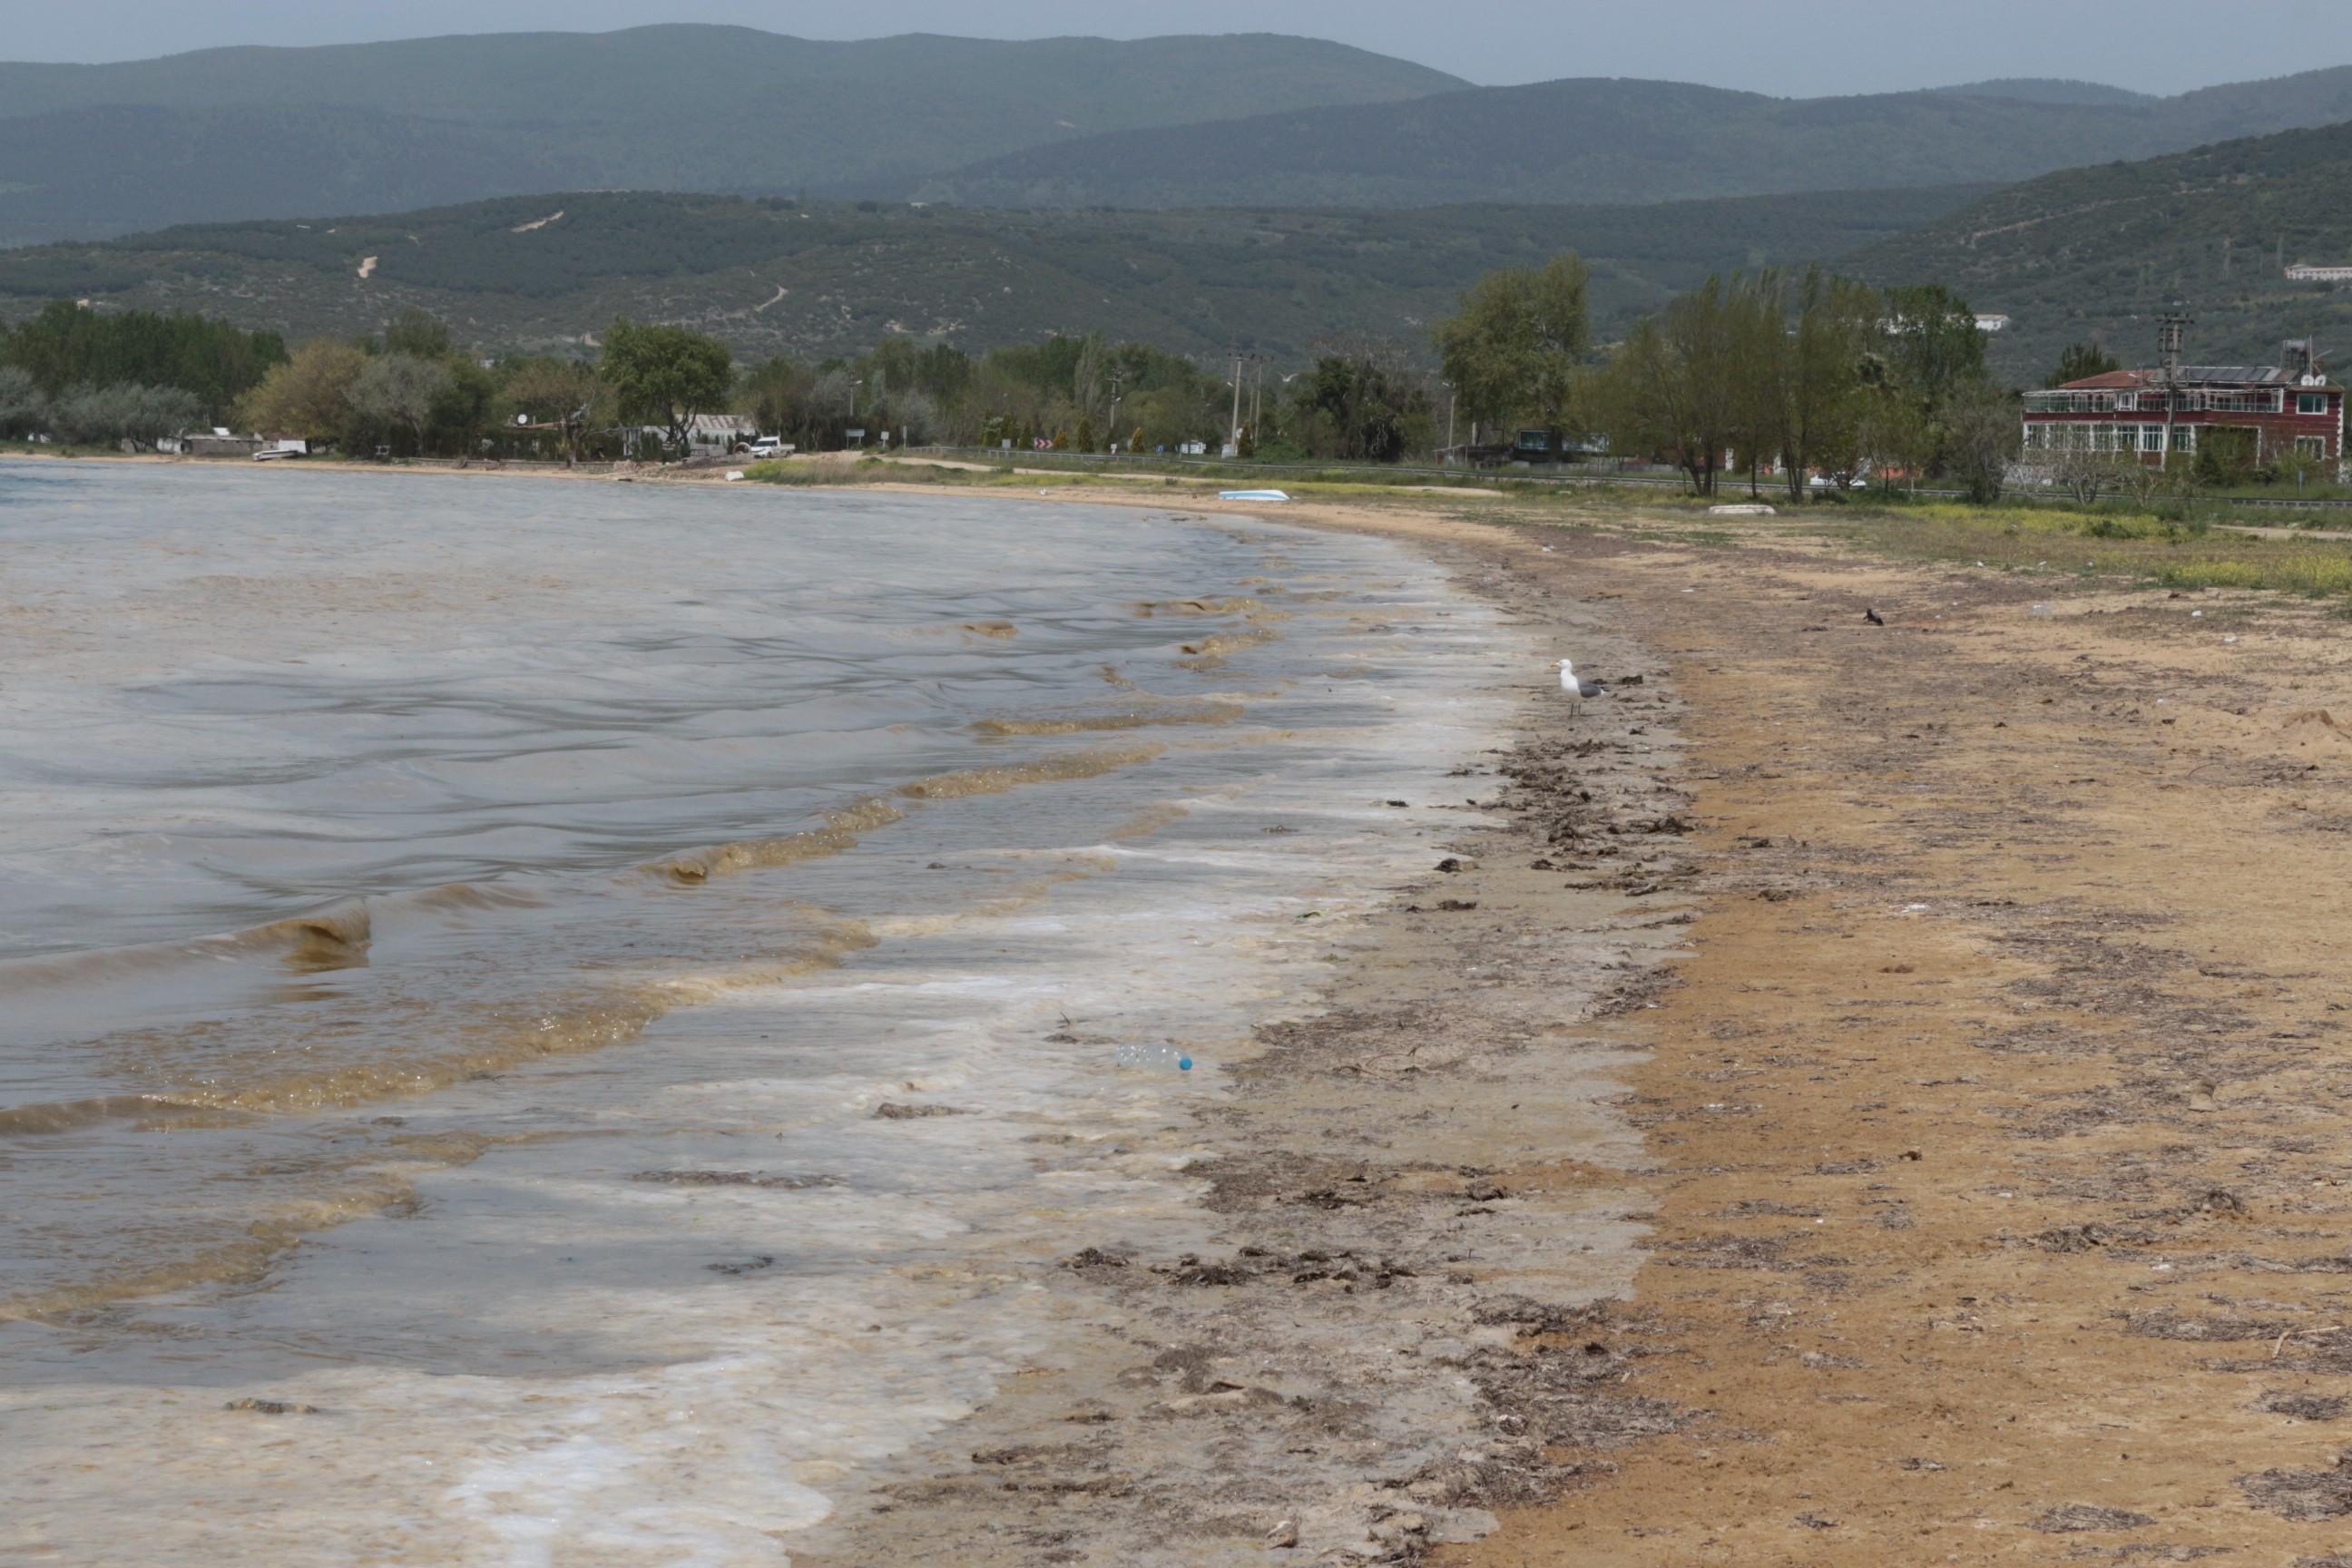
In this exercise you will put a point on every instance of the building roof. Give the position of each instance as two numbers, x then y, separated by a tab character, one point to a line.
2190	375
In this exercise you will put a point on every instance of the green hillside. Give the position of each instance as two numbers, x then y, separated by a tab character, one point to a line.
2091	254
89	150
1616	141
771	279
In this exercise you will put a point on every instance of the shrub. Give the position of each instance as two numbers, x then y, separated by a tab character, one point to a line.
124	411
22	409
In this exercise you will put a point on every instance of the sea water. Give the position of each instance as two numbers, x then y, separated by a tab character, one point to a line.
528	1009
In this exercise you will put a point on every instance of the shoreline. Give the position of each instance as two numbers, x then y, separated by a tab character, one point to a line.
2071	1192
1393	1215
1965	1166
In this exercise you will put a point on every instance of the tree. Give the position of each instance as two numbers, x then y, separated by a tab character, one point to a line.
68	346
1813	393
1087	393
1933	343
1931	360
465	407
401	389
2080	362
1980	435
1674	387
564	393
1515	344
781	398
21	407
420	334
664	374
308	395
125	411
1361	403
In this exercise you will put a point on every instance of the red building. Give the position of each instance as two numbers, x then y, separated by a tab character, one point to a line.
2266	413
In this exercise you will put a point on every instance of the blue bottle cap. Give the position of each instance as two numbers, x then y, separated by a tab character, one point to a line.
1184	1064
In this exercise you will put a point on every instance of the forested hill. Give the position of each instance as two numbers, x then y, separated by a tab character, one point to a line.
768	278
2094	253
1619	140
90	151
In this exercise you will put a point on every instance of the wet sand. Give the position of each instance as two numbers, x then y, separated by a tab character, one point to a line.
1983	1146
1401	1187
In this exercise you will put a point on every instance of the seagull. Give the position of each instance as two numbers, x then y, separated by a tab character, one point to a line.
1576	688
1870	614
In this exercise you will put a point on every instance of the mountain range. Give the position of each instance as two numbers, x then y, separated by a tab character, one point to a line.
1603	140
771	277
228	134
87	152
2095	254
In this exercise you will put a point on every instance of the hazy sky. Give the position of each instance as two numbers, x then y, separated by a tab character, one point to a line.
1793	47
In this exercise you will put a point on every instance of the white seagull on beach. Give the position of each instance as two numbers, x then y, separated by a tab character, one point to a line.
1577	689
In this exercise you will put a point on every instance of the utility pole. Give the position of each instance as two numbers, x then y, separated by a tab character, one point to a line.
2172	328
1236	440
1453	400
1114	413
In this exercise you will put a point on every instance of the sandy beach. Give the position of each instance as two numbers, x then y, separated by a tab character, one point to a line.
1981	1132
1857	1094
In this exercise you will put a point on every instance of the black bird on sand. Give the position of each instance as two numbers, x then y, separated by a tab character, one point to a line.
1870	614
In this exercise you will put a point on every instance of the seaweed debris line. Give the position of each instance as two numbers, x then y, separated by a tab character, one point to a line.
1397	1303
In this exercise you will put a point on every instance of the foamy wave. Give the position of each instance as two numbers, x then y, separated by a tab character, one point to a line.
521	1033
1197	713
840	835
334	938
1205	607
1051	770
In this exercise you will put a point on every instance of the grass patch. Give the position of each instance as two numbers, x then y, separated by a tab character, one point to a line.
2174	554
1707	536
799	475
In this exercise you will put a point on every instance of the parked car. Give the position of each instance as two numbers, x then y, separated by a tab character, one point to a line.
770	447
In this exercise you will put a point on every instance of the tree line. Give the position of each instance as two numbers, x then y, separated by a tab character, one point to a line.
410	390
1806	373
1779	372
129	376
